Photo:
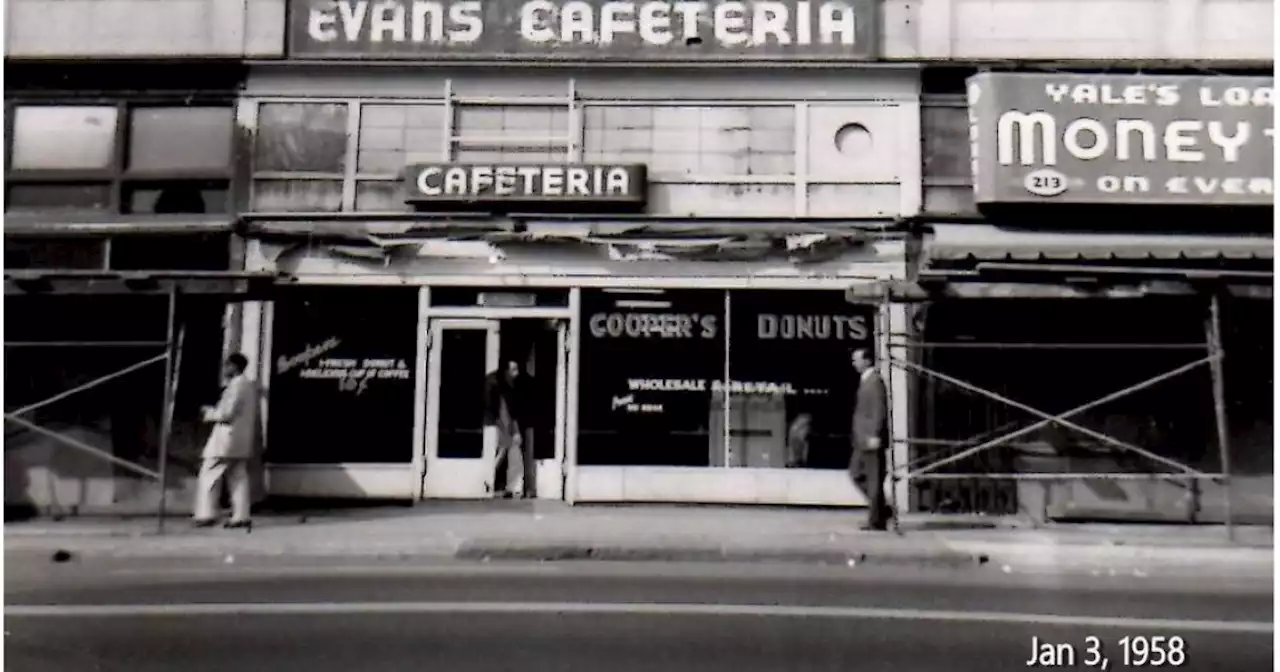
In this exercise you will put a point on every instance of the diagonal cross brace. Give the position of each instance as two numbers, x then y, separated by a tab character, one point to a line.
1061	419
80	445
89	385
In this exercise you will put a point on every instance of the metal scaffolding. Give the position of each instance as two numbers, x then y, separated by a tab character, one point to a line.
232	285
926	468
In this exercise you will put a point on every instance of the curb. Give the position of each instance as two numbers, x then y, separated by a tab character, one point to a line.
1203	562
490	551
950	554
498	551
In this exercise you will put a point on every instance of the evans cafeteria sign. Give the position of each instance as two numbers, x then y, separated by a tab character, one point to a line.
523	183
647	30
1096	139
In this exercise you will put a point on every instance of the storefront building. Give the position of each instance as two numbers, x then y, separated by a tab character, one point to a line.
1091	243
120	192
659	225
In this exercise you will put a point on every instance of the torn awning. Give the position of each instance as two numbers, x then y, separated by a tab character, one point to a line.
986	242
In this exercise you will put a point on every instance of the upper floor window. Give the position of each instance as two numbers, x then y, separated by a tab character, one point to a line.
119	158
333	156
945	130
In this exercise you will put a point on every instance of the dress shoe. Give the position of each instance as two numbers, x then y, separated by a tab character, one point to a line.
245	525
200	523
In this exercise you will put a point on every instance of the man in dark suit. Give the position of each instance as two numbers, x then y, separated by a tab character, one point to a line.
509	411
870	438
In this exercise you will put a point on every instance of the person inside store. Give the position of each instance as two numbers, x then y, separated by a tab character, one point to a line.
798	441
230	447
870	439
508	414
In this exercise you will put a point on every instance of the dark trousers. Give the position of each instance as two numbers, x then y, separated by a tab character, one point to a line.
867	469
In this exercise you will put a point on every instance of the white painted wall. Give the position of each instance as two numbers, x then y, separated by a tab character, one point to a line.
1056	30
144	28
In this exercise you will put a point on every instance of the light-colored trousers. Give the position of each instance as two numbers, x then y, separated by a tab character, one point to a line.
212	473
510	451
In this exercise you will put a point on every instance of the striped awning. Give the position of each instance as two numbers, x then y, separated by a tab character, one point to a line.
985	242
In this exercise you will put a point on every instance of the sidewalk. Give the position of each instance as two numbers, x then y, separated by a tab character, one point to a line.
540	531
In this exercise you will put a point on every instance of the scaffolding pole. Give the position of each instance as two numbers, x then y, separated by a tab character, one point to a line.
1213	334
888	447
173	360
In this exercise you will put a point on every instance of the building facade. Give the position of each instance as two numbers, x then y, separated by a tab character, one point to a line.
663	244
1098	247
122	152
661	211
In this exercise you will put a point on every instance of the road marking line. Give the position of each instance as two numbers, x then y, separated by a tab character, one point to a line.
347	608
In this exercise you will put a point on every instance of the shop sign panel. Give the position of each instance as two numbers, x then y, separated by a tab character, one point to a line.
1108	139
590	30
452	183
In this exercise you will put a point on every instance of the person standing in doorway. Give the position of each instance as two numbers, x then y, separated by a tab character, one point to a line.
867	464
507	413
230	447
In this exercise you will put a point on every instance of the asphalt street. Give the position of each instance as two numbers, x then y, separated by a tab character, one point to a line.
322	616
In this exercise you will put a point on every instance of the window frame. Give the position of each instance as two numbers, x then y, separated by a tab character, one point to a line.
944	101
117	177
799	178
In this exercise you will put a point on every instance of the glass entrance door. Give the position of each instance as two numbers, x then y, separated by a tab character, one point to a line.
460	454
548	366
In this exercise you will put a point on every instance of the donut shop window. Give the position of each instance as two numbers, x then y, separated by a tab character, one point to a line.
717	378
649	358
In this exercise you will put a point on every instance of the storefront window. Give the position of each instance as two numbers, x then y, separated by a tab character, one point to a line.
792	390
342	376
649	360
656	365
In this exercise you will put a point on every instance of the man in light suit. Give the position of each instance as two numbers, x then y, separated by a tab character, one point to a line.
870	438
230	447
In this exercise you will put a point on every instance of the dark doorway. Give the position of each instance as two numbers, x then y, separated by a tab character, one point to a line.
533	344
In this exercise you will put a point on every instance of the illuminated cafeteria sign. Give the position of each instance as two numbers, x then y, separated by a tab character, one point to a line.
526	183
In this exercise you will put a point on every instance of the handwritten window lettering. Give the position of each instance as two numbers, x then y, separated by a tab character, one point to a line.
354	375
342	376
351	375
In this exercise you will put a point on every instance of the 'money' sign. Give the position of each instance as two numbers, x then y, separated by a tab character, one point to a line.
643	30
451	183
1122	139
